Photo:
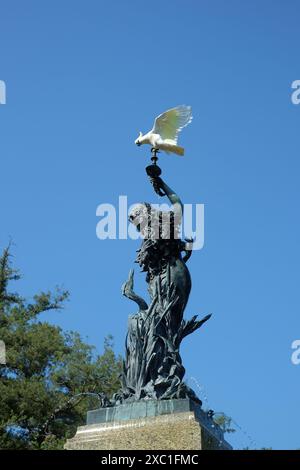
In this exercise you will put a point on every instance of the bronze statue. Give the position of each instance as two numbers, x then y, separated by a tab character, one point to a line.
153	367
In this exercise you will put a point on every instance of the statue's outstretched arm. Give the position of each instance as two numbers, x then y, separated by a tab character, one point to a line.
127	290
175	200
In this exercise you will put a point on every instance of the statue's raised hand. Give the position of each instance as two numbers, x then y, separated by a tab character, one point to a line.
158	185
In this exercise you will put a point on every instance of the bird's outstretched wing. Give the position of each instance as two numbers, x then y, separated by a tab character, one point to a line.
170	123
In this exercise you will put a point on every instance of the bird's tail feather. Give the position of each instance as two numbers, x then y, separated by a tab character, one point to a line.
178	150
171	148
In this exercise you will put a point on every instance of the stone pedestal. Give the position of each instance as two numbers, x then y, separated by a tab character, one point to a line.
149	425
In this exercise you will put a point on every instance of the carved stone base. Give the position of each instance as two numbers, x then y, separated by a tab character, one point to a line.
183	430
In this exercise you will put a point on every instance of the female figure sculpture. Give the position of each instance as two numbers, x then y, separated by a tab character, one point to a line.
153	368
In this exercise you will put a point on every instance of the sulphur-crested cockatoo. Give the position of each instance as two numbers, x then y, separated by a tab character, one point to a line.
164	135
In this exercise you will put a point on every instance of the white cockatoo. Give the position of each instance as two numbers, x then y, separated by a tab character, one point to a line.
164	135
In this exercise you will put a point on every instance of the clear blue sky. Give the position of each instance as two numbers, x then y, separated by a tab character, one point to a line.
83	77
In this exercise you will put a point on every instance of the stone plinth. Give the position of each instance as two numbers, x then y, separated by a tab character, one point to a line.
149	425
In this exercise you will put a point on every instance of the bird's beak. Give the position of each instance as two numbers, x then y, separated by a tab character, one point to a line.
138	144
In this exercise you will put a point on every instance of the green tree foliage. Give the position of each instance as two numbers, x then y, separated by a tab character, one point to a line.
50	378
224	422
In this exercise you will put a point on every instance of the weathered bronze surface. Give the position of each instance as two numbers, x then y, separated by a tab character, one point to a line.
153	367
